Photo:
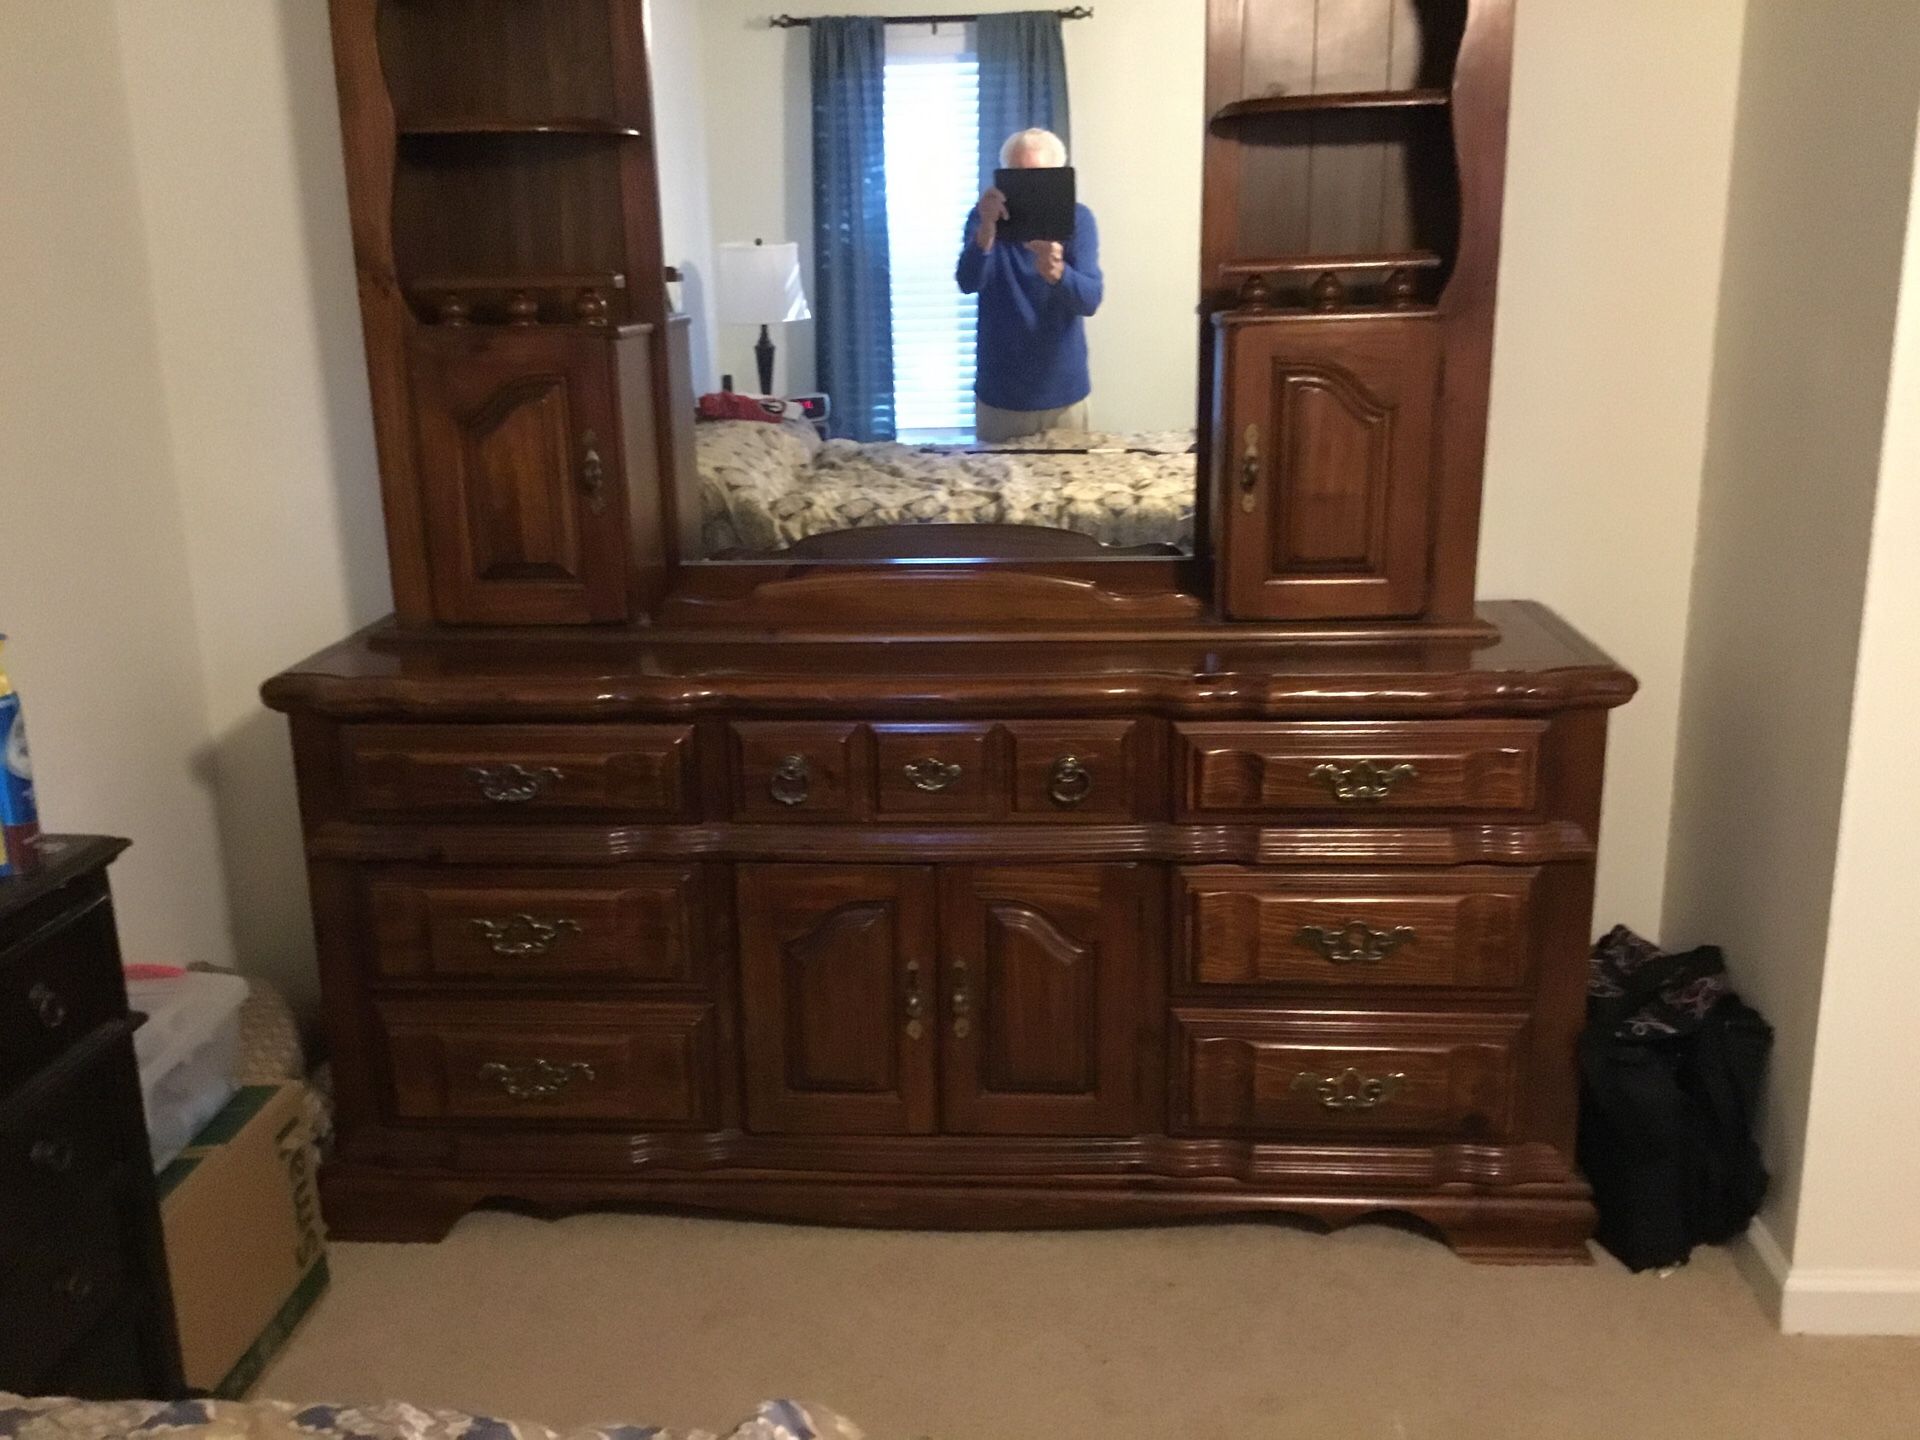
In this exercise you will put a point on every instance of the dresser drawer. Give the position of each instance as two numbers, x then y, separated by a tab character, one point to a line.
66	1144
1467	929
56	987
634	925
1281	1075
800	771
66	1279
1468	766
1077	770
647	1065
609	771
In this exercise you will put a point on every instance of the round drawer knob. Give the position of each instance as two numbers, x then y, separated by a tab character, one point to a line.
74	1286
48	1007
1071	782
792	781
56	1157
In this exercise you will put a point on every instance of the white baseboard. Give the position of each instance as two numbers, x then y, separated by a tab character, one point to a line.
1829	1302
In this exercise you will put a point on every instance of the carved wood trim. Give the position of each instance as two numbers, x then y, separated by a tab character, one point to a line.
917	595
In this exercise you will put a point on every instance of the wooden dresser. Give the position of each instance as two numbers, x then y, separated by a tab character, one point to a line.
958	933
943	874
85	1307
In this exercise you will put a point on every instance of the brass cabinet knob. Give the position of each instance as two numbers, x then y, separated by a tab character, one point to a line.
1366	783
932	775
1356	943
513	784
593	473
792	781
49	1007
961	1001
916	1003
1070	783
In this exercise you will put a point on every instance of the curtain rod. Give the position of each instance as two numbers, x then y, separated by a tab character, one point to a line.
797	22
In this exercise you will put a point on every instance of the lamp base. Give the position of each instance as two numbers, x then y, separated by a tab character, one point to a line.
763	352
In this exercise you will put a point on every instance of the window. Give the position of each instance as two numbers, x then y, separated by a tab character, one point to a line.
933	181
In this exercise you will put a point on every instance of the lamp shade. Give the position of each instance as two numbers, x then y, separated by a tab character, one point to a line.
761	285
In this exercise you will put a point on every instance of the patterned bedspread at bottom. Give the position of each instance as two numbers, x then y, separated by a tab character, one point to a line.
22	1419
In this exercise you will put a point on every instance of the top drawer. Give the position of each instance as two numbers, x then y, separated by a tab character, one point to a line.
1386	767
56	988
506	770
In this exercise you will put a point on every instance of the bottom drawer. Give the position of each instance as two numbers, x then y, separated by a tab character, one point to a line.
650	1065
66	1280
1279	1074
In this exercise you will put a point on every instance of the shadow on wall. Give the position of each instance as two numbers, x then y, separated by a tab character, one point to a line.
249	767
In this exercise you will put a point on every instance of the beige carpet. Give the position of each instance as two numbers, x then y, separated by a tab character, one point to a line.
1220	1331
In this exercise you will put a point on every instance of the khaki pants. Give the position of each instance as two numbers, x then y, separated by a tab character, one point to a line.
996	427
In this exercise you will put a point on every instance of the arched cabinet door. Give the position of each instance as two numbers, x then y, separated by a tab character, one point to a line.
1041	1008
1326	447
522	468
837	970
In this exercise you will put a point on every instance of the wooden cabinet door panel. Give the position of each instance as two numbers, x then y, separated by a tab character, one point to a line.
1327	445
837	975
1038	988
521	463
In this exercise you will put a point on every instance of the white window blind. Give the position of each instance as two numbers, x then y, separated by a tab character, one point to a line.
933	181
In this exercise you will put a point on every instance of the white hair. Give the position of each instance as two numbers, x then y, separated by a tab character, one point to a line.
1050	146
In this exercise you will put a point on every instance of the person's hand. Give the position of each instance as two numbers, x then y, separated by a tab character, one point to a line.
993	210
1051	258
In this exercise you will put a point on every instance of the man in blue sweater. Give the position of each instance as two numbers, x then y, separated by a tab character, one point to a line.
1031	374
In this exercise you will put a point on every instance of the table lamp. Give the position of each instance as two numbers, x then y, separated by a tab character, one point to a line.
760	284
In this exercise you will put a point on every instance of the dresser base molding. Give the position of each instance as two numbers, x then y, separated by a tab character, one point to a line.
1534	1225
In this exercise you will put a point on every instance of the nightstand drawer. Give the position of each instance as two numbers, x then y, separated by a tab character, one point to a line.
543	1061
1390	767
65	1280
56	987
504	771
65	1145
1283	1075
632	925
1464	929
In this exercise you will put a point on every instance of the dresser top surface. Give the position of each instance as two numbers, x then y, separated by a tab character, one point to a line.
1534	660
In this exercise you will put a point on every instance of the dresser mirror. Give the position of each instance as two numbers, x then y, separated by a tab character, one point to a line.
965	254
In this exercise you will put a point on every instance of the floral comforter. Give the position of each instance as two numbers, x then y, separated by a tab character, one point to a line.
217	1420
765	487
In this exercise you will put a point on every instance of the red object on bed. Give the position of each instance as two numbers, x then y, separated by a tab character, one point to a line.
731	406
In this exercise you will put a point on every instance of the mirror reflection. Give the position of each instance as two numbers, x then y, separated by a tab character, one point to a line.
942	273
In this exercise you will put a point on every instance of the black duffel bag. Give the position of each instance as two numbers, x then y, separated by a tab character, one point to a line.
1671	1064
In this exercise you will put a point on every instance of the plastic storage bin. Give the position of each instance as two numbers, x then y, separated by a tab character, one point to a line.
188	1049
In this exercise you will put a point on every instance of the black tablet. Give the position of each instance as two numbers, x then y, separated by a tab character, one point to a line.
1040	204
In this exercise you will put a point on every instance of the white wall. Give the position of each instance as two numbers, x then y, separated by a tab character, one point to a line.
94	568
1137	73
1818	221
242	187
676	52
1856	1246
1616	209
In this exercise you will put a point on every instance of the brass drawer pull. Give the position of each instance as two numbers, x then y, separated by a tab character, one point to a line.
1362	784
513	784
1350	1090
48	1006
916	1004
1357	943
1250	472
56	1157
792	781
537	1079
933	776
962	1001
521	937
593	473
1071	782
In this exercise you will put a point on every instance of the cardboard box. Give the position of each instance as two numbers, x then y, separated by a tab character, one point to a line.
244	1243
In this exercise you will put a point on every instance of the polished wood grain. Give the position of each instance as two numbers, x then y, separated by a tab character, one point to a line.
548	1060
638	925
1456	930
1370	769
516	770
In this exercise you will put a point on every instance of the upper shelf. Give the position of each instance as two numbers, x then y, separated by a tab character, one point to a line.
1264	105
470	125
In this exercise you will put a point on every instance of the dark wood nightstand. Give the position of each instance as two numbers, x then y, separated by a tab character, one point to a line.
85	1306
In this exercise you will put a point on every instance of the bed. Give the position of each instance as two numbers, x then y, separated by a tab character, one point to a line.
22	1419
765	487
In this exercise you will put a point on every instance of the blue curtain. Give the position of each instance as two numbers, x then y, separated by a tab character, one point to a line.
1023	82
854	297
